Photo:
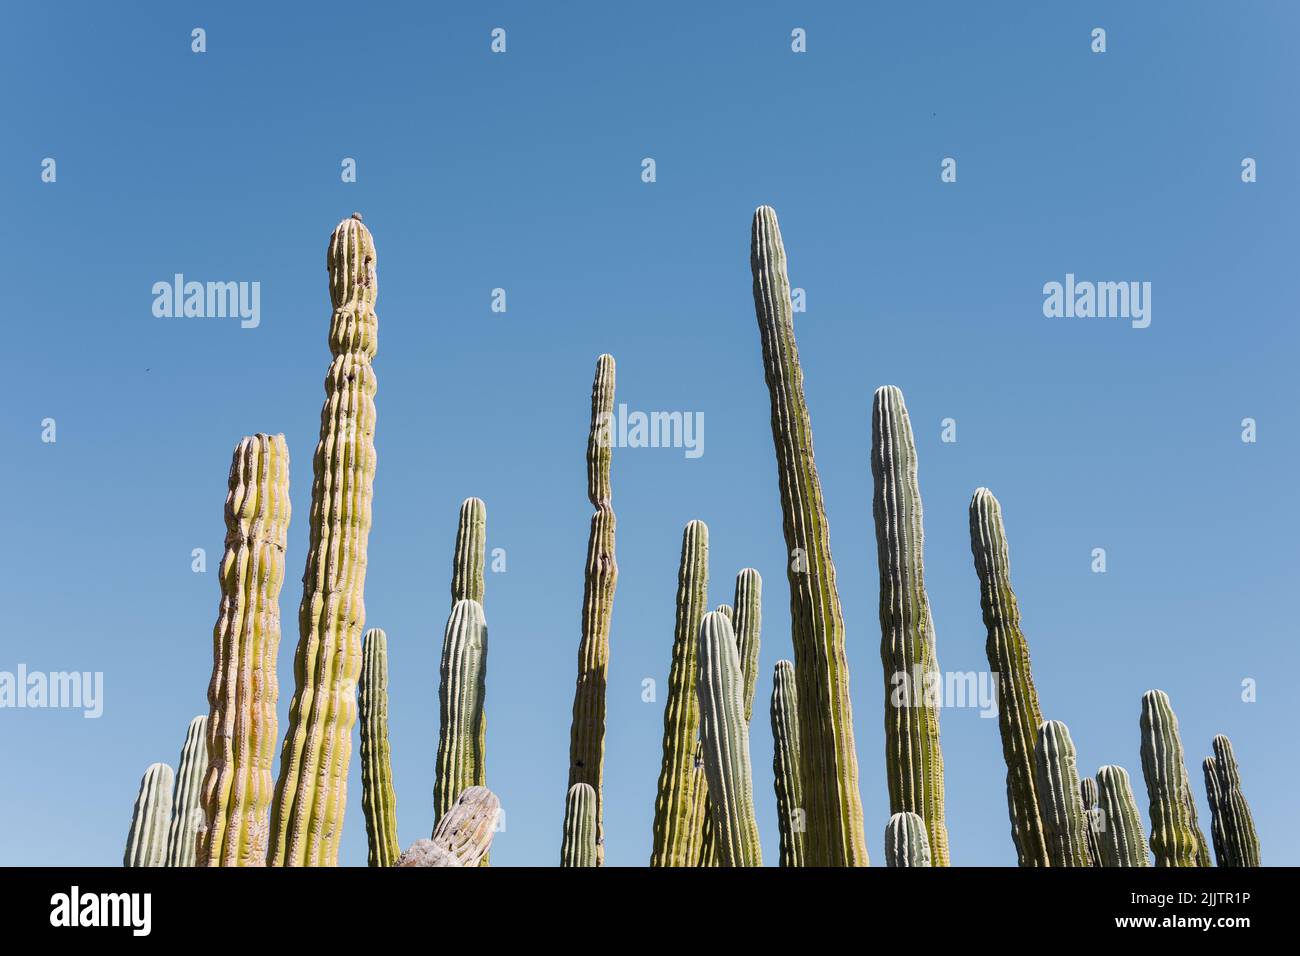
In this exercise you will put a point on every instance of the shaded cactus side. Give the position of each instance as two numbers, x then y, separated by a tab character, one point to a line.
906	843
187	803
1236	843
1122	840
378	800
579	845
1176	837
1093	820
1059	803
146	843
785	764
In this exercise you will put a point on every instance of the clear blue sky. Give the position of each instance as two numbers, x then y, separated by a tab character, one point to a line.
522	171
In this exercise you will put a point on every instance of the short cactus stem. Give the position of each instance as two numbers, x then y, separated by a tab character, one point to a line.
187	804
463	835
1122	840
785	764
579	846
146	844
470	554
1236	844
378	800
461	695
748	623
1176	838
1059	802
906	843
1092	819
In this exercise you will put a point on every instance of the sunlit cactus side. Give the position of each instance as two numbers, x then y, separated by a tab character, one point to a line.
187	802
146	843
463	836
913	758
1176	838
678	822
724	732
461	694
579	845
243	693
786	770
587	730
1235	841
1059	801
1122	840
1092	819
836	834
311	792
1019	715
906	843
378	800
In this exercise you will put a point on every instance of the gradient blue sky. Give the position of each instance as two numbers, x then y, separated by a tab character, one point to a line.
522	171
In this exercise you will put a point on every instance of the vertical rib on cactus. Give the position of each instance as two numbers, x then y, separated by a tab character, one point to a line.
906	843
1059	802
678	821
1235	840
146	844
724	733
579	845
1008	652
243	692
463	835
1122	841
378	801
830	764
587	730
913	759
1176	838
187	808
1093	820
790	814
311	792
461	692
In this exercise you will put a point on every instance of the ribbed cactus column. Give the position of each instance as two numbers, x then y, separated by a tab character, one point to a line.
146	844
724	732
829	761
906	843
587	730
311	792
187	803
461	694
1122	840
1008	652
1176	838
378	801
471	552
1235	841
913	759
1059	802
243	692
579	846
463	836
790	815
676	827
1093	820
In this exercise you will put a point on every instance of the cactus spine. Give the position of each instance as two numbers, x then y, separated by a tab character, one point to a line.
1008	652
579	846
243	692
587	730
790	815
378	801
1122	841
1176	838
463	836
1059	802
461	694
1235	840
913	759
906	843
724	733
187	809
829	761
678	820
146	844
1093	821
311	792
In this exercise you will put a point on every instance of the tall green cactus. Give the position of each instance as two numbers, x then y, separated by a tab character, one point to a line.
378	801
1176	837
1019	715
187	808
1236	843
579	846
836	835
587	730
1122	841
913	758
146	843
311	792
906	843
1059	803
463	836
243	692
790	814
1093	820
461	693
724	732
678	822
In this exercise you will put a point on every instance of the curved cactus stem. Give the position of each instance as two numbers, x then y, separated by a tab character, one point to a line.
906	843
378	801
790	815
463	835
461	694
836	835
1176	838
1122	840
1236	843
187	803
146	844
1093	821
579	846
1059	803
243	692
